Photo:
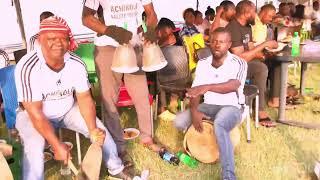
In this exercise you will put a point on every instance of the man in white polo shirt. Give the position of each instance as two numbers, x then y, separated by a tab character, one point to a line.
120	24
220	78
53	91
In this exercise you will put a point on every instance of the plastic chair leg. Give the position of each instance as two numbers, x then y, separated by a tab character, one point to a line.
156	108
78	147
248	127
257	112
151	117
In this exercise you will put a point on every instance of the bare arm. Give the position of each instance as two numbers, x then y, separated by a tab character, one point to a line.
40	122
248	55
227	87
152	19
87	109
90	21
231	85
216	22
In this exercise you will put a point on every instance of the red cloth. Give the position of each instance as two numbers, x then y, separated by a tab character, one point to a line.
55	23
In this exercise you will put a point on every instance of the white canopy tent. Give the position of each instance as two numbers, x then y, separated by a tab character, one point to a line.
71	11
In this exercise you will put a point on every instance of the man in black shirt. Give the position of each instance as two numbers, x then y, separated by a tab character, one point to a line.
243	46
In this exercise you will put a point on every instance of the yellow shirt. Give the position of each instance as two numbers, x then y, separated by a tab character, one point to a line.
259	31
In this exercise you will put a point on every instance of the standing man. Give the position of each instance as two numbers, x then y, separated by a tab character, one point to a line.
242	46
220	79
119	14
54	92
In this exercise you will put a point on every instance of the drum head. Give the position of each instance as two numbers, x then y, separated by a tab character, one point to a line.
202	146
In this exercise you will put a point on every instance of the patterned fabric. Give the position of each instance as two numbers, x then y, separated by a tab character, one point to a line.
177	68
56	23
9	95
188	30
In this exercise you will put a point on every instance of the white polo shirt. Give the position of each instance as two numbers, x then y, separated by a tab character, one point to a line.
233	67
35	81
118	13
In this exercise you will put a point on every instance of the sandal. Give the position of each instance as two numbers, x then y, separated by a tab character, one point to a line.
267	122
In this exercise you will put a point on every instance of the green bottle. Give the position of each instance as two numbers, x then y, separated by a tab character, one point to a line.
295	50
187	160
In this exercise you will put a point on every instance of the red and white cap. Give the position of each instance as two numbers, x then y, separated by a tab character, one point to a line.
55	23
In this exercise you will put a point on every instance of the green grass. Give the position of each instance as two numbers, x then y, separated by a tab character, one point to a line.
284	152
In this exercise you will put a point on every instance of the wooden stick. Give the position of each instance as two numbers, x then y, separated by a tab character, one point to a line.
72	167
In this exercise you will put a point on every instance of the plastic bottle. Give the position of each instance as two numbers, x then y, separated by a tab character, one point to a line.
167	156
295	50
187	160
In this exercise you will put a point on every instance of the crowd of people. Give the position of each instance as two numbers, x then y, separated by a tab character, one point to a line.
54	91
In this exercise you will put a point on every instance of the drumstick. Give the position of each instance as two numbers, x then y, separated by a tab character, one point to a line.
4	168
91	163
72	167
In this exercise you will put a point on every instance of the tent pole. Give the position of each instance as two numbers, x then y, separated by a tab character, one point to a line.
20	22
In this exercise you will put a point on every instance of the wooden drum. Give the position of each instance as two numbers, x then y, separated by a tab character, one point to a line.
203	146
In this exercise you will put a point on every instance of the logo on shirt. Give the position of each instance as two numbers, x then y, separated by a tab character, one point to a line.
58	82
58	94
124	11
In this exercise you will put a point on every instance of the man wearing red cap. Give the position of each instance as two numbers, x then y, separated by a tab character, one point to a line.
47	80
121	22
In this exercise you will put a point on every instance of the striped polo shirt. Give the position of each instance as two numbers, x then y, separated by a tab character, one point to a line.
35	81
33	42
4	59
233	67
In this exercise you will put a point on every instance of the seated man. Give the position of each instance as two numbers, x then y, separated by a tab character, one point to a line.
242	46
220	78
47	80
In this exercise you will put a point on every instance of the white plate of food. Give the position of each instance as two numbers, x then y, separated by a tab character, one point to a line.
286	39
130	133
280	47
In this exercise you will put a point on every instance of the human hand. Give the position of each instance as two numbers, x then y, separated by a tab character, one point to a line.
196	91
150	36
121	35
197	118
272	44
61	152
97	135
219	10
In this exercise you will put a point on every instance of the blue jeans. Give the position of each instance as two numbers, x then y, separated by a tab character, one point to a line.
225	118
33	164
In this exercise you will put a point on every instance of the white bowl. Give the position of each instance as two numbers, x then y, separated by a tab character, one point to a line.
130	136
3	141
